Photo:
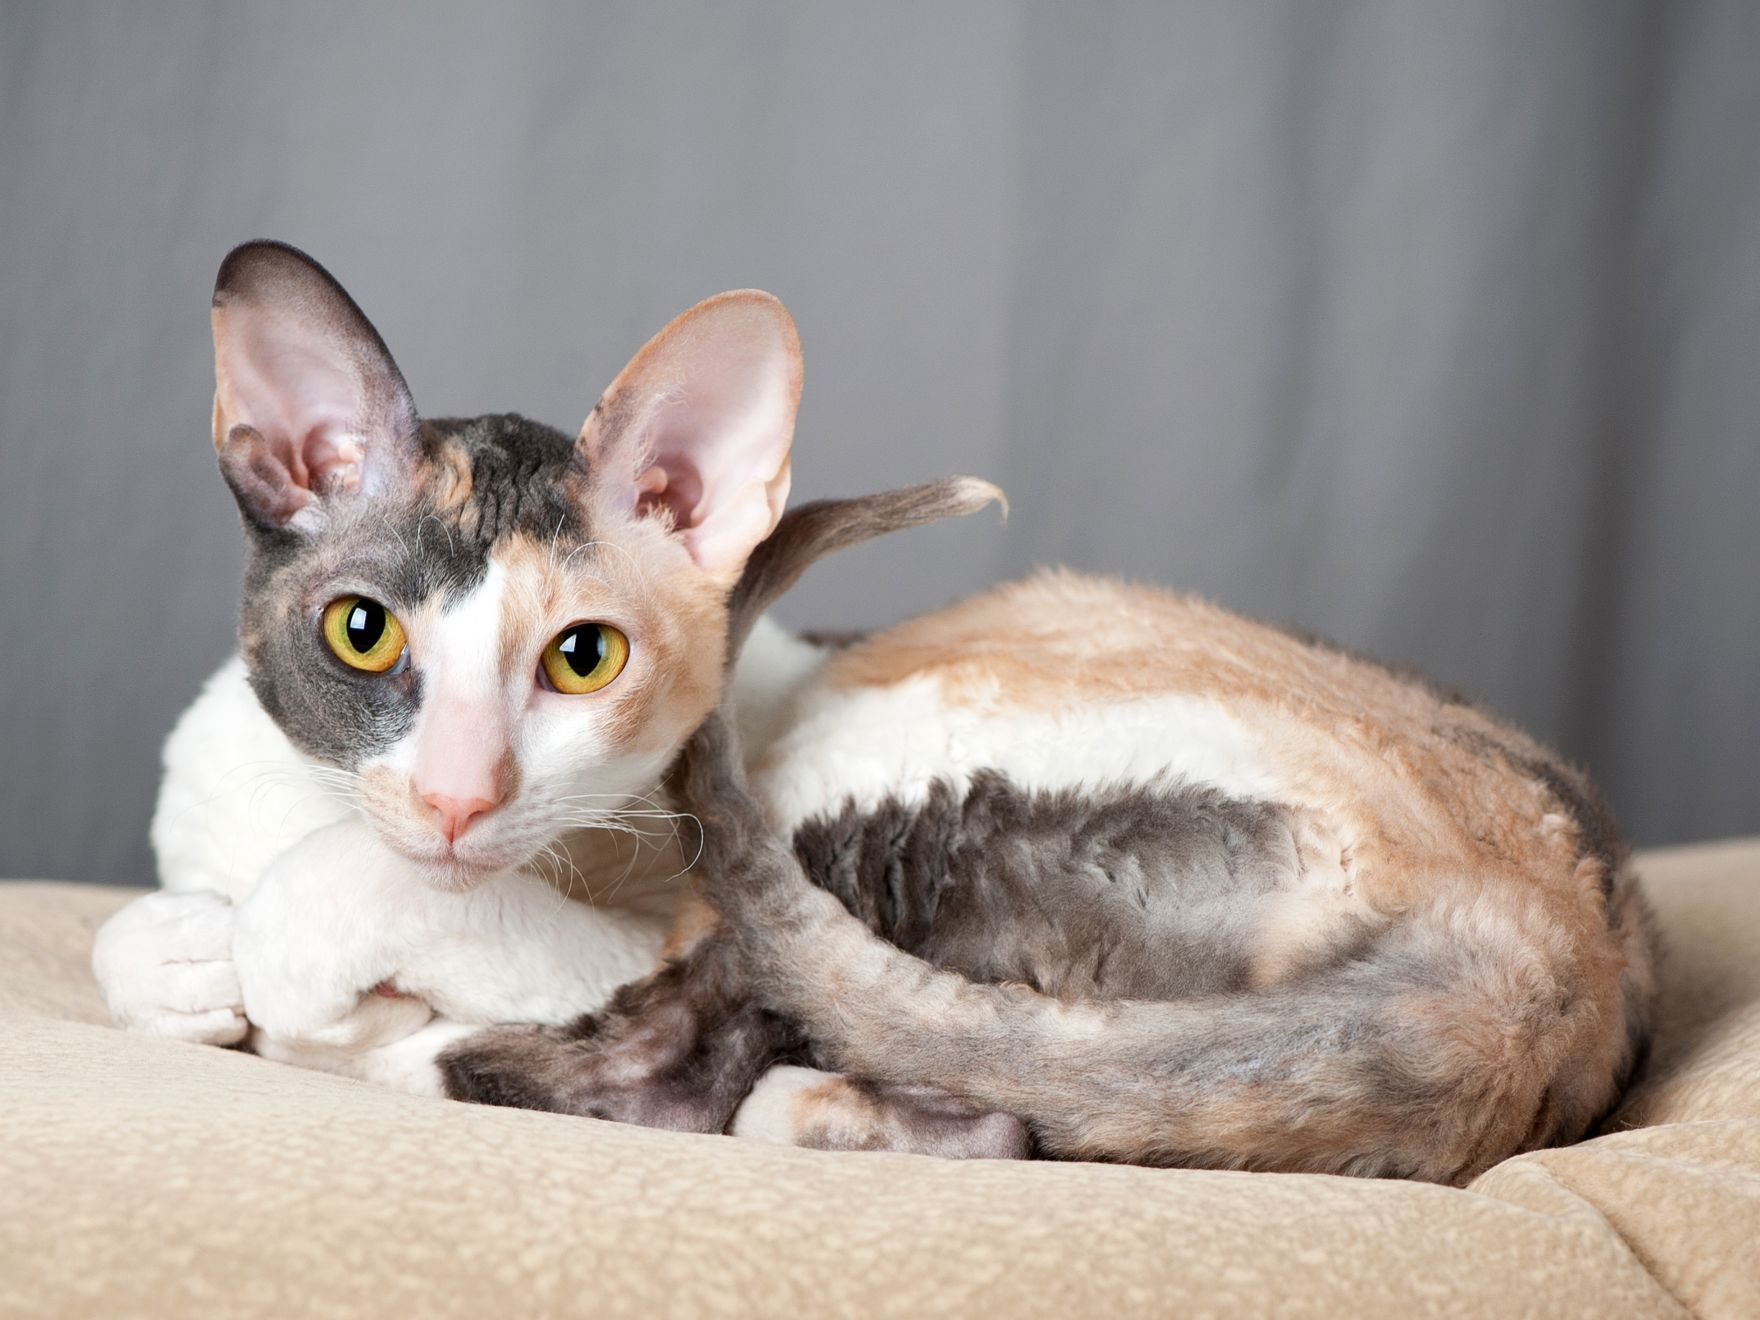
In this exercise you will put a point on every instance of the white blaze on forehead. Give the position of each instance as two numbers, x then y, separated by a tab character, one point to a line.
462	735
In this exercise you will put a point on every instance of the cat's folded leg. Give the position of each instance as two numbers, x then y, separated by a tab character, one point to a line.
165	965
340	914
318	945
680	1049
326	925
687	1049
352	962
513	949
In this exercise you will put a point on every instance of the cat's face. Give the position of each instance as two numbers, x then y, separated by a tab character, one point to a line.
498	631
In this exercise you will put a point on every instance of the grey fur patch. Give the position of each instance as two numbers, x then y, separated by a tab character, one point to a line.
1129	892
833	639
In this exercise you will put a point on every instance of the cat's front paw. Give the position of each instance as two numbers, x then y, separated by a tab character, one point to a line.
165	965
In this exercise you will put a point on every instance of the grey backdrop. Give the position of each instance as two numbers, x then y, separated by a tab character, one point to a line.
1435	328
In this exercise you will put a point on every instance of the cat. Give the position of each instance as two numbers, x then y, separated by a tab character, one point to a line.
469	649
1090	868
1167	886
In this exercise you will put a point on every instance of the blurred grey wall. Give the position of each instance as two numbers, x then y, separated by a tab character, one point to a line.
1432	327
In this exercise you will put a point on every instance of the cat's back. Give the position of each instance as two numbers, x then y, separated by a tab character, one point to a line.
1065	681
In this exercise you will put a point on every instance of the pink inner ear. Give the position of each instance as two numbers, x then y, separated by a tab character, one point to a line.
314	387
301	391
670	485
716	439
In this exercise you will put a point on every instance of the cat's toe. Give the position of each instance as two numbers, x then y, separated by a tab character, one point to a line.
165	965
215	1026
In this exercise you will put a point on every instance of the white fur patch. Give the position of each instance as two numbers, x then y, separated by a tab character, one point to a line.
865	744
236	792
775	667
468	708
770	1112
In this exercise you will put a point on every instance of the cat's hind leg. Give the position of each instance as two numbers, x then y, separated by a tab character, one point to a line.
686	1050
796	1106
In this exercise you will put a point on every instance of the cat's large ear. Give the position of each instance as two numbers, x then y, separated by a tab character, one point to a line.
696	429
308	405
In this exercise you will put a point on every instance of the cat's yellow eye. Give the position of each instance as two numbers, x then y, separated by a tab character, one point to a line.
363	634
584	657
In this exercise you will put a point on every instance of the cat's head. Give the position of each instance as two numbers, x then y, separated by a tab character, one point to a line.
498	629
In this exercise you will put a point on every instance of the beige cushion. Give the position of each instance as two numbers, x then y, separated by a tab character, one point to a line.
139	1176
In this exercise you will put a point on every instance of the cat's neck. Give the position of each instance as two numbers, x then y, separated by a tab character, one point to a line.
641	863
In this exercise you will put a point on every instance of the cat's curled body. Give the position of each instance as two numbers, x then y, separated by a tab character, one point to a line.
1171	886
1165	884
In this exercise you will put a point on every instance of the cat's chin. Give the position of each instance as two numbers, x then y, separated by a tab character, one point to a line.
452	873
455	877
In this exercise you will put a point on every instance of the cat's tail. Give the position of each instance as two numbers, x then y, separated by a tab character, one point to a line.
1463	1035
809	532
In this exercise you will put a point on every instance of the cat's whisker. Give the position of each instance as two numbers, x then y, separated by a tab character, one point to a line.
606	545
451	548
398	536
562	881
618	825
559	879
547	856
653	812
574	873
299	802
532	866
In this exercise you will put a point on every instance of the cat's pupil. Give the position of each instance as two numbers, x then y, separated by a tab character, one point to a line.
584	648
366	625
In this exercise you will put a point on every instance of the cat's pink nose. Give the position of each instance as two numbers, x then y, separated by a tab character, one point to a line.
452	816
